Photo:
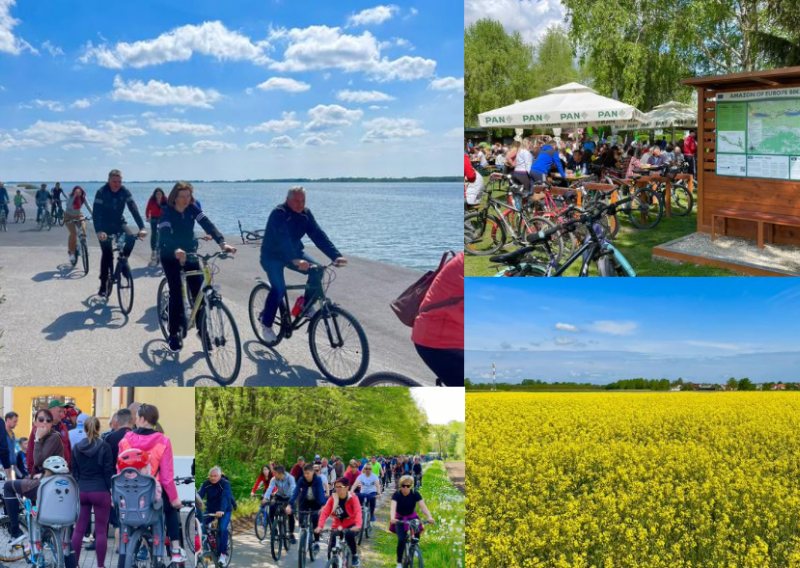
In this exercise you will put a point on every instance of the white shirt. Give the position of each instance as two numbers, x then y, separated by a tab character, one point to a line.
474	190
369	485
524	161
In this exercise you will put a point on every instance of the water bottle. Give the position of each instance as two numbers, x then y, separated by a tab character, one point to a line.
298	306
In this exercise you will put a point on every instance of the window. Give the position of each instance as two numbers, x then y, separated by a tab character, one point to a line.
43	401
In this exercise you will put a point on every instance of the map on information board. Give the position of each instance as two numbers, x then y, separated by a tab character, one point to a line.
773	127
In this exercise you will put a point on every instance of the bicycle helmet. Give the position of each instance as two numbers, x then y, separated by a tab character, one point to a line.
134	458
56	464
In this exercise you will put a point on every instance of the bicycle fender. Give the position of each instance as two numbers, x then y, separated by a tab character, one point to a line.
622	260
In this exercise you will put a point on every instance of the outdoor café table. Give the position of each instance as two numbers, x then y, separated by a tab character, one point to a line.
565	191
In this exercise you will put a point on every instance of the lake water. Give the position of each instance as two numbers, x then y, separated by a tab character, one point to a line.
405	224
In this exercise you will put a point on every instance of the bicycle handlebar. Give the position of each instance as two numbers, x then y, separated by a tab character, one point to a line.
585	218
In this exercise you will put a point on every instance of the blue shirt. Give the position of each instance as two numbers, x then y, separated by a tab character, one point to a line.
545	161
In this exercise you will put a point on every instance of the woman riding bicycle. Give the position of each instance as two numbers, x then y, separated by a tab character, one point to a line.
345	509
370	486
404	509
266	475
73	214
159	448
176	239
152	215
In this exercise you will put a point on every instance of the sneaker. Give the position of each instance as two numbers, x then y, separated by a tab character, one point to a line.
178	557
268	334
73	259
142	555
355	562
175	343
316	547
372	520
399	565
292	539
223	559
102	291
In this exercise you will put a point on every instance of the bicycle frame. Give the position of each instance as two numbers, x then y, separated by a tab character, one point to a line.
205	272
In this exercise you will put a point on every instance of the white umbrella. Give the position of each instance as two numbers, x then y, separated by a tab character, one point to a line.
671	115
568	106
518	131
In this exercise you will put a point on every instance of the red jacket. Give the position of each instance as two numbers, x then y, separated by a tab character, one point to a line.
261	480
443	328
297	471
153	210
62	430
353	508
689	146
469	171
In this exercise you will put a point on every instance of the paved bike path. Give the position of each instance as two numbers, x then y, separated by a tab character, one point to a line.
57	331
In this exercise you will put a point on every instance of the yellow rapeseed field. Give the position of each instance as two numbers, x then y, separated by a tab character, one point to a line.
619	480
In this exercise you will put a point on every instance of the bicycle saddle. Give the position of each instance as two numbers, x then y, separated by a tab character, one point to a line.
509	257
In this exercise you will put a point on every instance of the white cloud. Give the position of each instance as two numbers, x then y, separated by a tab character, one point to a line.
284	84
381	129
121	130
158	93
8	42
564	340
212	146
287	122
363	96
281	142
210	38
257	146
447	84
324	117
318	141
175	126
376	15
568	327
54	106
110	134
7	142
529	17
72	147
713	345
405	68
377	107
149	114
614	327
53	50
456	132
81	103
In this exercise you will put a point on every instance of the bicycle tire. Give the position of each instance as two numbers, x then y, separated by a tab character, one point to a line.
388	380
189	528
124	288
60	220
333	563
230	549
258	298
369	525
556	241
301	549
216	313
334	312
416	553
51	538
85	256
642	207
284	529
139	539
260	525
311	554
682	200
162	307
363	522
275	539
481	247
49	222
9	555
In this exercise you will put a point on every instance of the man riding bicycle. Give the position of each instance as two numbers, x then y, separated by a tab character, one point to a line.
219	503
278	493
57	197
309	493
109	208
43	199
282	247
4	199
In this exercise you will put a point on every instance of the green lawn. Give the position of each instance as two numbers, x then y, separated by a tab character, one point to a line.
637	246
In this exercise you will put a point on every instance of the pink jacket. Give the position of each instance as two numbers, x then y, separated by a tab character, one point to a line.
160	449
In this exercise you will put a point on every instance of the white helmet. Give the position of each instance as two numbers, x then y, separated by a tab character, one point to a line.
56	464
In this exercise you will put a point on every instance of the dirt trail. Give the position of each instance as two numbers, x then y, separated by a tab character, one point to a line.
456	471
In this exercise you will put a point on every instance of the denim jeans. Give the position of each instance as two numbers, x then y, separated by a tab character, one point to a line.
277	282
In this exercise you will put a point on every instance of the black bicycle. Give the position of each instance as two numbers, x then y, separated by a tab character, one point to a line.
338	343
120	274
189	527
250	236
82	250
212	541
306	542
279	537
412	553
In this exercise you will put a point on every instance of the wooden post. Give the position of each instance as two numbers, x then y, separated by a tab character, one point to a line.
699	159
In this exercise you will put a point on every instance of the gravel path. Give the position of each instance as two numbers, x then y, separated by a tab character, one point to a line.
781	257
457	473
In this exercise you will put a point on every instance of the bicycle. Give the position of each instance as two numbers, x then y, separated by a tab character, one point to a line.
366	520
3	225
412	552
211	541
58	214
306	541
19	215
82	250
190	526
45	220
279	537
339	552
331	344
417	481
250	236
218	332
121	275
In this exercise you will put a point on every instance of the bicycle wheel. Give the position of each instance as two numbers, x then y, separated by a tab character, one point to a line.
52	547
301	549
414	559
8	554
3	221
647	208
340	349
60	219
275	538
22	216
40	223
333	563
311	554
85	256
483	234
388	380
190	530
538	224
364	519
162	307
49	221
369	523
139	544
230	549
258	298
260	524
221	343
124	287
682	200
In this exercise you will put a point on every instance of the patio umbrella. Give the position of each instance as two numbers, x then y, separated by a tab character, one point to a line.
568	106
672	115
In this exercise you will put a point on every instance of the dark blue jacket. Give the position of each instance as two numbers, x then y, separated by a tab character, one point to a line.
218	496
109	210
302	486
284	234
545	161
176	230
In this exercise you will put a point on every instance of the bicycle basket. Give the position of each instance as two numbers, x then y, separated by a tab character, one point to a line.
58	501
134	495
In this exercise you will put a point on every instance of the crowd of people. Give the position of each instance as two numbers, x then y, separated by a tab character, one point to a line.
69	442
326	488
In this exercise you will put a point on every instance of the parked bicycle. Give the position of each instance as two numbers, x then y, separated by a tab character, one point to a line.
120	276
82	250
337	341
250	236
218	331
50	522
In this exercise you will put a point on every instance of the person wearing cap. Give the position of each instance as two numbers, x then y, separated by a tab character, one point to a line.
297	469
73	216
57	409
338	466
78	434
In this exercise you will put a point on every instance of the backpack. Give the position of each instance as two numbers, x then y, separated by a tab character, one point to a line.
58	501
406	306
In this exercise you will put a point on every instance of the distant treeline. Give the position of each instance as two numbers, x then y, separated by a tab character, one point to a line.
288	180
744	384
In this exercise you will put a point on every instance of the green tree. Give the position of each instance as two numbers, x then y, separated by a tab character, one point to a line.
746	385
733	383
554	60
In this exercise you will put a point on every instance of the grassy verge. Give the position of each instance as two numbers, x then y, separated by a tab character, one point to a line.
245	508
636	245
443	544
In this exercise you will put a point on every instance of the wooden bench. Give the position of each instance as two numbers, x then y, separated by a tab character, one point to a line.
762	219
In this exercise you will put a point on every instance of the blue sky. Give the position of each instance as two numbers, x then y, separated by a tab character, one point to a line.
228	90
700	329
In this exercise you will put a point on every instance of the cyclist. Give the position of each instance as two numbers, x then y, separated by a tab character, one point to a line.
404	508
176	239
19	199
219	503
58	195
73	211
324	478
370	486
152	214
263	478
108	217
352	473
398	470
345	509
282	247
4	199
376	466
278	493
43	199
159	448
309	493
417	469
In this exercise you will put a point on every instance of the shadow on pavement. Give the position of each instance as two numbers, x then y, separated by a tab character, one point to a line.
148	271
165	367
64	272
150	319
275	371
98	314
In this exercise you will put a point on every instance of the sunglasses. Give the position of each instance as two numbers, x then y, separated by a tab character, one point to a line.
44	418
405	486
